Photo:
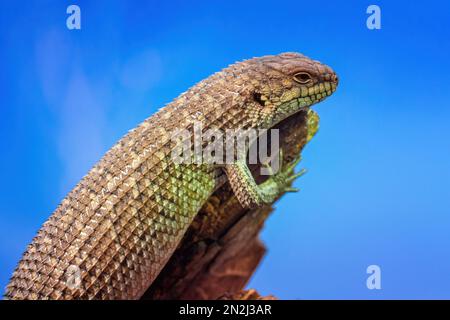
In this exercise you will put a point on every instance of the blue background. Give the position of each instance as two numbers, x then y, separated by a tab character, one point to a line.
378	187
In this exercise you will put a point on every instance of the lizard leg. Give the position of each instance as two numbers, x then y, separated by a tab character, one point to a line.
251	194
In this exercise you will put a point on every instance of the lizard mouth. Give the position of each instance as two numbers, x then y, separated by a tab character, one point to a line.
307	98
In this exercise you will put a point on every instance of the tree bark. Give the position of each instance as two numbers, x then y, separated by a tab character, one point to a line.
221	249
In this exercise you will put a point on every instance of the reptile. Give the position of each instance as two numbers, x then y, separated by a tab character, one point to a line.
114	232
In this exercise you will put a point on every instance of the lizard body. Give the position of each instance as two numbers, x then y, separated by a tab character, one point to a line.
118	227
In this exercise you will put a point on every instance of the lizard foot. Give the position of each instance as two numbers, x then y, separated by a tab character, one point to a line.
286	174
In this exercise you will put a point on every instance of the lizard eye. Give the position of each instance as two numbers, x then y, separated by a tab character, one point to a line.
302	77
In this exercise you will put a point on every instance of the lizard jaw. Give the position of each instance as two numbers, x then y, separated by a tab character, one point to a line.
304	101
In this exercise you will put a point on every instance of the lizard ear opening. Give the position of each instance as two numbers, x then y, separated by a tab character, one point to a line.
258	98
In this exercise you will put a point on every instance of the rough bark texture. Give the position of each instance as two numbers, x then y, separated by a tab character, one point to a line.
247	295
216	260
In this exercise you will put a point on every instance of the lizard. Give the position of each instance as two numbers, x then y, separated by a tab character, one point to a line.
222	248
113	233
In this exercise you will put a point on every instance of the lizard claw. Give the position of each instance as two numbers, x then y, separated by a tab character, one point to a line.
286	174
294	163
280	158
295	176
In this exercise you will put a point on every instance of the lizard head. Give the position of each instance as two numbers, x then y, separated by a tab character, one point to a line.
284	84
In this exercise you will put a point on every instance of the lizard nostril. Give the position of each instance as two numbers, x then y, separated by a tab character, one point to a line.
335	78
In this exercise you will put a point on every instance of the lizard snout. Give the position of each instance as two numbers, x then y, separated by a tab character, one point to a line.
328	75
335	79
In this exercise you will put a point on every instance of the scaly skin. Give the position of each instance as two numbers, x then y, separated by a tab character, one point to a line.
118	227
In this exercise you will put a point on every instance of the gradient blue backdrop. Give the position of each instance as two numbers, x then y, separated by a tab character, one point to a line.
378	187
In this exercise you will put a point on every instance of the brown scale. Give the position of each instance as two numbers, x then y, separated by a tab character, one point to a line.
125	218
